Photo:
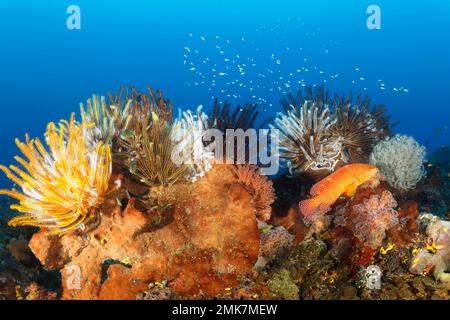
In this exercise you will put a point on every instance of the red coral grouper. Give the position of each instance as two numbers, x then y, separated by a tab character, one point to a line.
343	181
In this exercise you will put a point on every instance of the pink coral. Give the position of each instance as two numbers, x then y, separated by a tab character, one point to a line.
373	217
259	187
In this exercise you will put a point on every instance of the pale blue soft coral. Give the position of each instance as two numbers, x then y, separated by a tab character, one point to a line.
401	160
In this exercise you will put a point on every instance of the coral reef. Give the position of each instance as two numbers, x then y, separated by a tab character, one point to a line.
317	274
311	268
130	203
285	211
259	187
407	228
374	217
349	249
437	253
34	292
156	291
201	244
18	266
282	285
359	228
275	242
401	160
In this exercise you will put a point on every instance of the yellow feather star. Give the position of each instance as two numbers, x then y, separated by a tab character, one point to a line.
62	187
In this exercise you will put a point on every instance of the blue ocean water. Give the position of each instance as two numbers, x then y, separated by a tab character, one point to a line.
236	50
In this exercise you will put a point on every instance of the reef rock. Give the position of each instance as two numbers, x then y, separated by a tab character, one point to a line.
360	227
201	238
406	230
275	242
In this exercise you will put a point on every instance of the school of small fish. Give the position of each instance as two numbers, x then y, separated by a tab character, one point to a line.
255	69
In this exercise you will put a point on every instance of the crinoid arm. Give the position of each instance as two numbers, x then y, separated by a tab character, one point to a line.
317	132
63	186
109	120
304	138
188	133
223	116
359	126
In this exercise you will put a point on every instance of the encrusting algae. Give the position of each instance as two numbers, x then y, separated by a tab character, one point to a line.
62	187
